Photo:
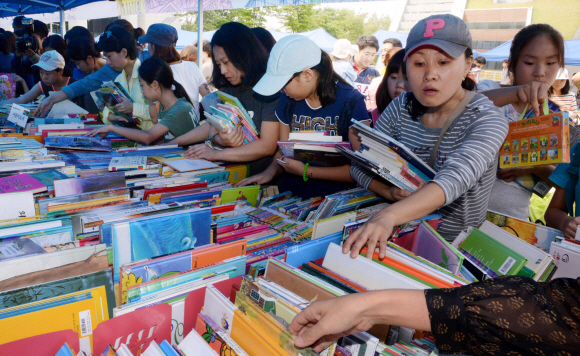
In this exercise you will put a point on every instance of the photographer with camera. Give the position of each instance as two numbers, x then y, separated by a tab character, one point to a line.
29	39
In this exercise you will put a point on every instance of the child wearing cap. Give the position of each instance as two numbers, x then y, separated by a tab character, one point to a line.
457	132
314	98
51	66
562	96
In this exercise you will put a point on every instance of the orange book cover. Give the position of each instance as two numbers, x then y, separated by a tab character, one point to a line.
537	141
424	276
134	274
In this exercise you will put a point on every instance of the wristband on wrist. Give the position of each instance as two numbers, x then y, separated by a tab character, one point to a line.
304	174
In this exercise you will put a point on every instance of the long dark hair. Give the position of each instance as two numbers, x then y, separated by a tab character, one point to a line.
57	43
156	69
115	39
168	54
416	109
525	36
393	66
245	52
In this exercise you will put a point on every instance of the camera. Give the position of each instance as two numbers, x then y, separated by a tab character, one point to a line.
26	40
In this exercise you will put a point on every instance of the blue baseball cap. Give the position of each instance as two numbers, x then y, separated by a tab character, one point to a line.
291	55
160	34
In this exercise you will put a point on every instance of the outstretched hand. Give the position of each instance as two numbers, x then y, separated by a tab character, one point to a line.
320	325
376	231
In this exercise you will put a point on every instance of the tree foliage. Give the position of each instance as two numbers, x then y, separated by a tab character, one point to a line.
340	23
212	20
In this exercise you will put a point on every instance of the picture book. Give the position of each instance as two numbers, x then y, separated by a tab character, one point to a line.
159	235
78	143
434	248
128	163
73	186
249	194
538	235
47	178
19	248
16	205
7	86
537	141
493	254
21	183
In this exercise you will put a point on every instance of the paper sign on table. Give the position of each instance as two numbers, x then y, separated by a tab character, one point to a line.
18	115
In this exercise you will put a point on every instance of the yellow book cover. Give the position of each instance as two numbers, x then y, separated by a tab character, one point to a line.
238	172
80	317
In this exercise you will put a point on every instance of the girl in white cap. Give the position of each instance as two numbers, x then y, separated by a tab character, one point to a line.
51	66
314	98
562	96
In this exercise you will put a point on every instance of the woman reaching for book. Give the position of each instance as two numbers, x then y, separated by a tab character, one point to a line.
239	62
120	49
177	115
314	98
508	315
437	59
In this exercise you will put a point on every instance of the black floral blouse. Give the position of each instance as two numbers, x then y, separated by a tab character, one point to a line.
507	316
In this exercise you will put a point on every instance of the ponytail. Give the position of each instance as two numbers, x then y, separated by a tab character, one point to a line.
327	80
180	92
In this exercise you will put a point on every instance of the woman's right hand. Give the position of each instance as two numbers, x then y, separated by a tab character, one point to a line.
535	94
259	179
570	227
376	230
232	139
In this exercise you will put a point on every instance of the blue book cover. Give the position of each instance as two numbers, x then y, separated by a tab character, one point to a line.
65	350
167	349
47	178
159	235
78	143
19	248
311	250
216	177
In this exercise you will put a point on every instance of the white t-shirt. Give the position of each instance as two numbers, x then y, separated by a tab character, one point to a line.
189	76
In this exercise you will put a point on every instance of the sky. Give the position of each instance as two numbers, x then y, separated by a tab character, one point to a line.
381	8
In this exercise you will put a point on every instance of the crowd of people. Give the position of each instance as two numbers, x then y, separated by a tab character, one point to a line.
427	95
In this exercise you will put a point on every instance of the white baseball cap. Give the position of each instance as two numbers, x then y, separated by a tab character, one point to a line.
342	49
291	55
563	74
50	61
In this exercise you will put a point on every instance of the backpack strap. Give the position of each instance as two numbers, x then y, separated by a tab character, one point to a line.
572	182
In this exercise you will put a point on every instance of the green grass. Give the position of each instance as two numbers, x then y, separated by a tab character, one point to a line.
562	14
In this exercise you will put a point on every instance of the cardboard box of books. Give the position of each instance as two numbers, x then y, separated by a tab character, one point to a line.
537	141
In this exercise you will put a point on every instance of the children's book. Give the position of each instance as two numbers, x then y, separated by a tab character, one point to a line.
128	163
78	143
74	186
7	86
19	248
16	205
431	246
499	258
537	141
249	194
21	183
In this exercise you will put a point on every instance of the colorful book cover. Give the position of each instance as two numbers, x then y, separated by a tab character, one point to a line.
48	177
18	248
537	235
78	143
501	259
7	85
73	186
21	183
128	163
432	247
161	235
548	138
249	194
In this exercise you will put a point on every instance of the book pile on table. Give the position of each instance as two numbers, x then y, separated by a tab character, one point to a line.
140	251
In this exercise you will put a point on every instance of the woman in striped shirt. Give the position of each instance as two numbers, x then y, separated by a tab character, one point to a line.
437	60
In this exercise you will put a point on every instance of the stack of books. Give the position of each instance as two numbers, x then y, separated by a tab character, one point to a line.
389	159
229	114
315	148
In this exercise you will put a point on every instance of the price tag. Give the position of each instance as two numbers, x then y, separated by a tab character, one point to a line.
18	115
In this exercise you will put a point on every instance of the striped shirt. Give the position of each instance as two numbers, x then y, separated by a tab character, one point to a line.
466	163
567	102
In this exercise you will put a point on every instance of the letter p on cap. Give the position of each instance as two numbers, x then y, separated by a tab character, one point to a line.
433	24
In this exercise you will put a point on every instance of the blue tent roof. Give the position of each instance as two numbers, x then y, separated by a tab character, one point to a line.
501	52
10	8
